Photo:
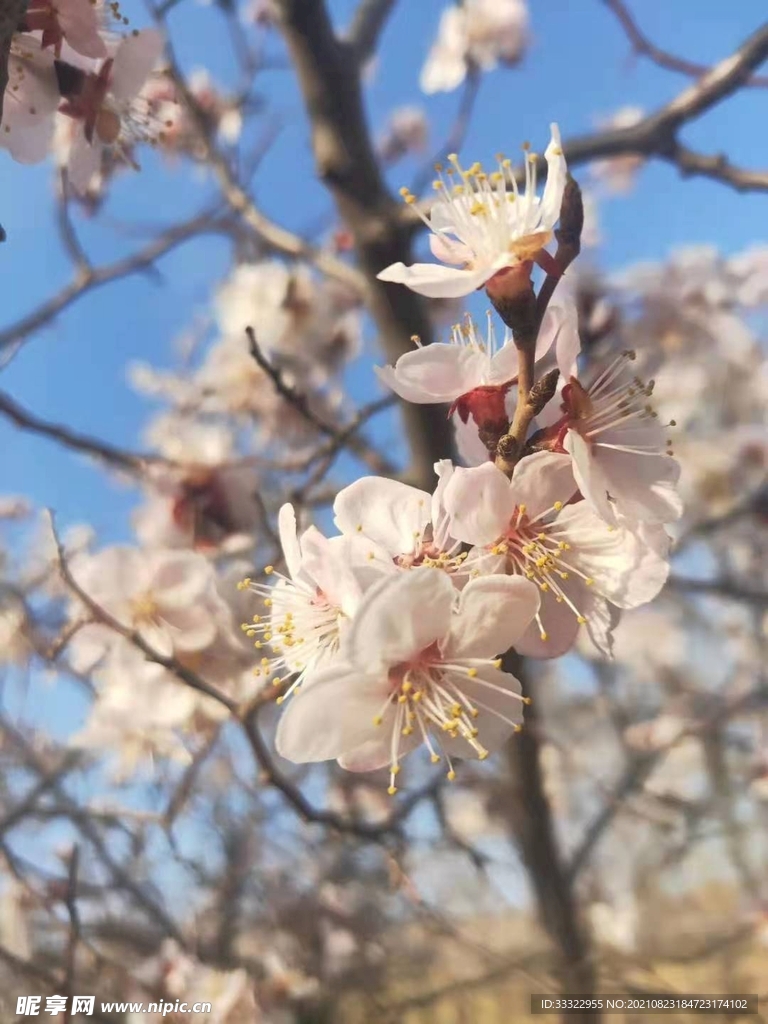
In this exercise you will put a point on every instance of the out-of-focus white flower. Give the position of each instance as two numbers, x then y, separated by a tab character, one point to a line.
168	597
406	132
476	33
618	173
30	101
13	506
615	924
15	647
525	526
107	106
415	667
483	227
77	21
657	733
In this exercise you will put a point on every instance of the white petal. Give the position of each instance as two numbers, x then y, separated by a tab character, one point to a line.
84	162
179	577
437	373
332	717
479	502
625	569
541	479
557	175
493	613
289	542
388	512
436	281
592	482
505	364
324	564
560	626
644	487
136	56
190	629
398	618
447	250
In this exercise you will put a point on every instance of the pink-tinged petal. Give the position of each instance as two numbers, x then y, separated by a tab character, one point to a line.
32	91
471	449
625	570
552	411
449	251
114	575
588	474
557	175
602	620
135	58
324	564
436	281
480	504
505	364
289	542
375	754
80	26
388	377
157	637
560	627
398	618
179	577
560	328
644	487
437	373
493	613
29	143
388	512
84	162
332	717
190	629
541	479
500	711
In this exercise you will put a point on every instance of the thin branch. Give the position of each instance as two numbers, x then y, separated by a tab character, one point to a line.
299	402
456	135
367	25
643	47
88	281
719	588
74	933
132	462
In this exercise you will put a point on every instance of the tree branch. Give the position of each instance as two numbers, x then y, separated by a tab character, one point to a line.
329	78
643	47
367	25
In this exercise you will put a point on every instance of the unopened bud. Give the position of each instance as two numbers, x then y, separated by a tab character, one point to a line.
507	448
571	218
543	391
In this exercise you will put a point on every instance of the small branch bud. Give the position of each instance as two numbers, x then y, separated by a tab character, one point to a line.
543	391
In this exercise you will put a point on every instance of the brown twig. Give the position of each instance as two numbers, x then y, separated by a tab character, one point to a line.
329	78
70	962
131	462
643	47
367	25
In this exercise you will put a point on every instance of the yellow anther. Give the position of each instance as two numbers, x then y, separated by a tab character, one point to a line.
471	672
256	618
544	636
496	663
267	602
402	699
394	769
407	686
392	790
437	185
517	728
407	731
277	681
451	775
268	570
589	581
557	506
527	700
435	758
417	696
404	191
482	755
258	645
280	699
378	720
581	619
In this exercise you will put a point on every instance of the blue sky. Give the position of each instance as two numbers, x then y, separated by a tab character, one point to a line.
577	70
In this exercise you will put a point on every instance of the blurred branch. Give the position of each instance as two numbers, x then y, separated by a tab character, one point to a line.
533	825
643	47
718	588
367	25
132	462
73	938
373	459
457	134
329	78
88	280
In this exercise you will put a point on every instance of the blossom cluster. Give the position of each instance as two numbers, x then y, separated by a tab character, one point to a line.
393	633
78	85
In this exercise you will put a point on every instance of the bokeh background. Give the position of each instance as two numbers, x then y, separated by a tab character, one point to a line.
194	872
